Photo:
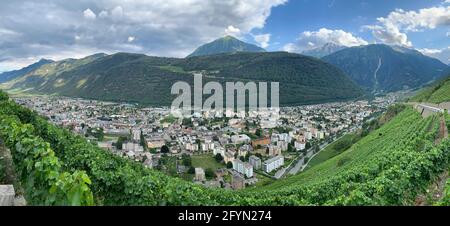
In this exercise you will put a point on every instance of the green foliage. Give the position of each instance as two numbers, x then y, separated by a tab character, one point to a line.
120	142
229	165
218	158
165	149
187	160
40	171
209	173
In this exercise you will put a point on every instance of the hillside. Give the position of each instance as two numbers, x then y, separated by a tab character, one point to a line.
147	80
373	168
227	44
382	68
390	166
7	76
438	92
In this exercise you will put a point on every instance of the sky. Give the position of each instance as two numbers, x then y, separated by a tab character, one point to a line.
34	29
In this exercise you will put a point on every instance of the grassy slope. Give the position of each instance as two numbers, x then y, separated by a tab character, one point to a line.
329	152
437	93
401	127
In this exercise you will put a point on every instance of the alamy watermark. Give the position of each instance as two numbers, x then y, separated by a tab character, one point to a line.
234	102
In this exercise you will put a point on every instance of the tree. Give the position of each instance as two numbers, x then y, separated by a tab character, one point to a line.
142	141
247	156
316	148
229	165
120	141
242	158
209	173
187	161
290	148
258	132
218	157
165	149
191	170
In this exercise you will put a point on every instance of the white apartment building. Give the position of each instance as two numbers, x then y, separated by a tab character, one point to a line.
273	163
243	168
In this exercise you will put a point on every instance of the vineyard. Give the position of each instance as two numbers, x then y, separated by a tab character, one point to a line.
387	167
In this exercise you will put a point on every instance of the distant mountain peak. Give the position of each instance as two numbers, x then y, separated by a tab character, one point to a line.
226	44
325	50
387	68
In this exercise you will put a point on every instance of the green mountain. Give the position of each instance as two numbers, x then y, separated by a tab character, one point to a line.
7	76
227	44
382	68
148	80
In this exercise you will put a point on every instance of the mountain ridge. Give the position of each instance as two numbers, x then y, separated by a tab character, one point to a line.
139	78
401	68
227	44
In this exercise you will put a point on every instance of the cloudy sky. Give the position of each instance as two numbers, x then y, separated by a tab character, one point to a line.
54	29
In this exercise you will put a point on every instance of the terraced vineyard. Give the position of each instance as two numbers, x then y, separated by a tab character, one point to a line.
387	167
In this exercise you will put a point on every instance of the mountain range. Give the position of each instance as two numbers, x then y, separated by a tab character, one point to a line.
148	80
227	44
10	75
128	77
383	68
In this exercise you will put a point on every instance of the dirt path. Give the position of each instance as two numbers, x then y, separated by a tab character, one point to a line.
435	191
443	131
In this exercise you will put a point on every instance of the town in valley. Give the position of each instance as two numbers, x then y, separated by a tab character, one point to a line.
231	151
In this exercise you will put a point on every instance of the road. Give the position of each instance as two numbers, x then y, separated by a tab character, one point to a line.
301	165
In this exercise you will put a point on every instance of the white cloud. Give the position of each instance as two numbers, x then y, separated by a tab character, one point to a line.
440	54
103	14
233	31
262	39
88	14
131	38
393	29
312	39
165	27
290	47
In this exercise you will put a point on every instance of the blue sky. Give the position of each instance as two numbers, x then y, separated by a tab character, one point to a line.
287	21
54	29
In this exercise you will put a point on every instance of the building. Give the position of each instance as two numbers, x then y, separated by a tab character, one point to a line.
199	174
273	163
229	157
261	142
136	134
239	139
237	182
105	145
132	147
300	146
255	162
274	150
156	143
219	150
243	168
244	150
